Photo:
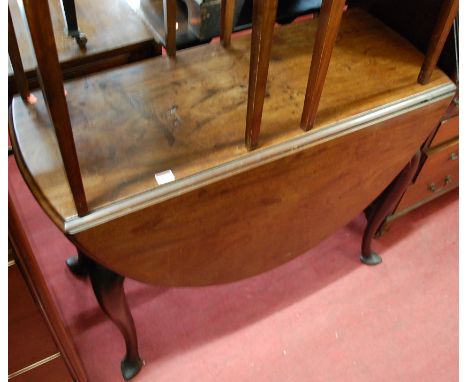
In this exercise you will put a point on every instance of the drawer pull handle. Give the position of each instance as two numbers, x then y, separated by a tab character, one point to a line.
432	187
453	156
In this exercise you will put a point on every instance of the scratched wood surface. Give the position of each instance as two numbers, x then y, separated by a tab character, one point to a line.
256	220
108	24
188	114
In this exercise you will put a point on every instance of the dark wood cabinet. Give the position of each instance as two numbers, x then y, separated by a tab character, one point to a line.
39	345
32	352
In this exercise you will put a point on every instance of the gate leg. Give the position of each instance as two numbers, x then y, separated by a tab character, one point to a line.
109	292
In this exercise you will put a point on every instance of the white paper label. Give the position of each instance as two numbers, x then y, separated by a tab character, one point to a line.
164	177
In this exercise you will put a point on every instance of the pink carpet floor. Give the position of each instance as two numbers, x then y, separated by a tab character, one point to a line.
321	317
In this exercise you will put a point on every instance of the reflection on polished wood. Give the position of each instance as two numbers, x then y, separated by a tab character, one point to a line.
259	219
136	121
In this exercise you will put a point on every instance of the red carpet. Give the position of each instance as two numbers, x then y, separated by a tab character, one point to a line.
321	317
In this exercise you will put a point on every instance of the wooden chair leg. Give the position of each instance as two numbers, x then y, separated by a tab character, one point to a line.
393	194
227	21
439	36
109	292
329	24
15	59
170	22
263	22
50	74
69	11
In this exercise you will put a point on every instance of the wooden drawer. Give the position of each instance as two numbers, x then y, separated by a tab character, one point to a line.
447	130
438	175
29	339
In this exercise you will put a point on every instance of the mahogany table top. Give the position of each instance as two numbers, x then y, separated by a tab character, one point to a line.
188	115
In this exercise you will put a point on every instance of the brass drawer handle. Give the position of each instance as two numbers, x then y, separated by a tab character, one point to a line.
432	187
453	156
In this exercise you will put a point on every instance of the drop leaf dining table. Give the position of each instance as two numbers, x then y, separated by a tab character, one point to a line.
157	170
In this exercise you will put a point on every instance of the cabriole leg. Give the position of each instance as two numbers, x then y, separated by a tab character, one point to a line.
393	194
109	291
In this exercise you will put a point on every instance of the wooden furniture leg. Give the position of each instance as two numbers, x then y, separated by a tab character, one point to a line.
263	22
78	265
15	59
439	36
170	26
227	21
50	73
69	11
393	194
329	24
109	292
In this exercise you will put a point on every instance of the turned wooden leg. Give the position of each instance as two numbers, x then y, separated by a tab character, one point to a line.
77	265
109	291
393	194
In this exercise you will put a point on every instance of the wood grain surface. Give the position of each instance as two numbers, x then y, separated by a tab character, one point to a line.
188	115
259	219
